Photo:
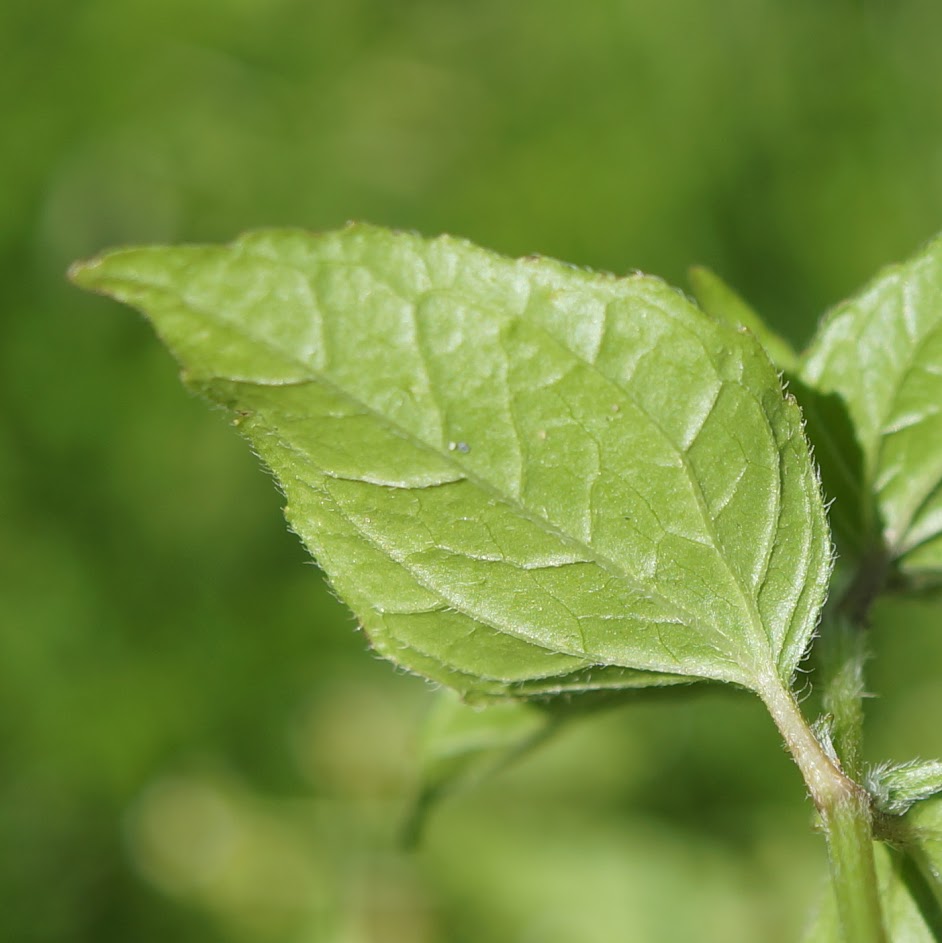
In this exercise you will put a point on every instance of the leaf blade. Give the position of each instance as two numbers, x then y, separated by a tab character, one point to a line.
498	441
881	352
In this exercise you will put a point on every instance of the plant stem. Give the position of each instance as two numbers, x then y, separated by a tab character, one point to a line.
845	813
853	874
868	583
841	654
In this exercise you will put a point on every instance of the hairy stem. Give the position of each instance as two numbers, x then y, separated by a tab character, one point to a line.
841	655
853	873
845	813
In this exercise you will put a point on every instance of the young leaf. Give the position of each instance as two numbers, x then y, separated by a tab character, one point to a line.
896	788
881	353
524	478
720	301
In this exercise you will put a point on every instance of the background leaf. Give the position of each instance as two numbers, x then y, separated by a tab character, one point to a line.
462	744
525	479
910	915
720	301
881	354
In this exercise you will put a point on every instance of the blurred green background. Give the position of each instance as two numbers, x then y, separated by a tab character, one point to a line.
194	743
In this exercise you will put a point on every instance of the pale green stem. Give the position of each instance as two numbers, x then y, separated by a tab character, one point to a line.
845	813
853	873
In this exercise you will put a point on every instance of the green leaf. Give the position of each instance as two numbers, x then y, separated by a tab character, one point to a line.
881	354
910	909
462	744
897	787
525	479
720	301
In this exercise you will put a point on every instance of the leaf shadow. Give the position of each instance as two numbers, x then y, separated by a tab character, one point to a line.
853	512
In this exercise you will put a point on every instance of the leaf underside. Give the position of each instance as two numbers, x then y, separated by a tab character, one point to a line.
880	353
525	479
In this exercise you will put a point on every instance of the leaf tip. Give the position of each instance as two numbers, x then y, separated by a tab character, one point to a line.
82	273
93	274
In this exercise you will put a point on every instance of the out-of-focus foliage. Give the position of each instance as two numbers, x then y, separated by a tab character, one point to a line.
193	744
